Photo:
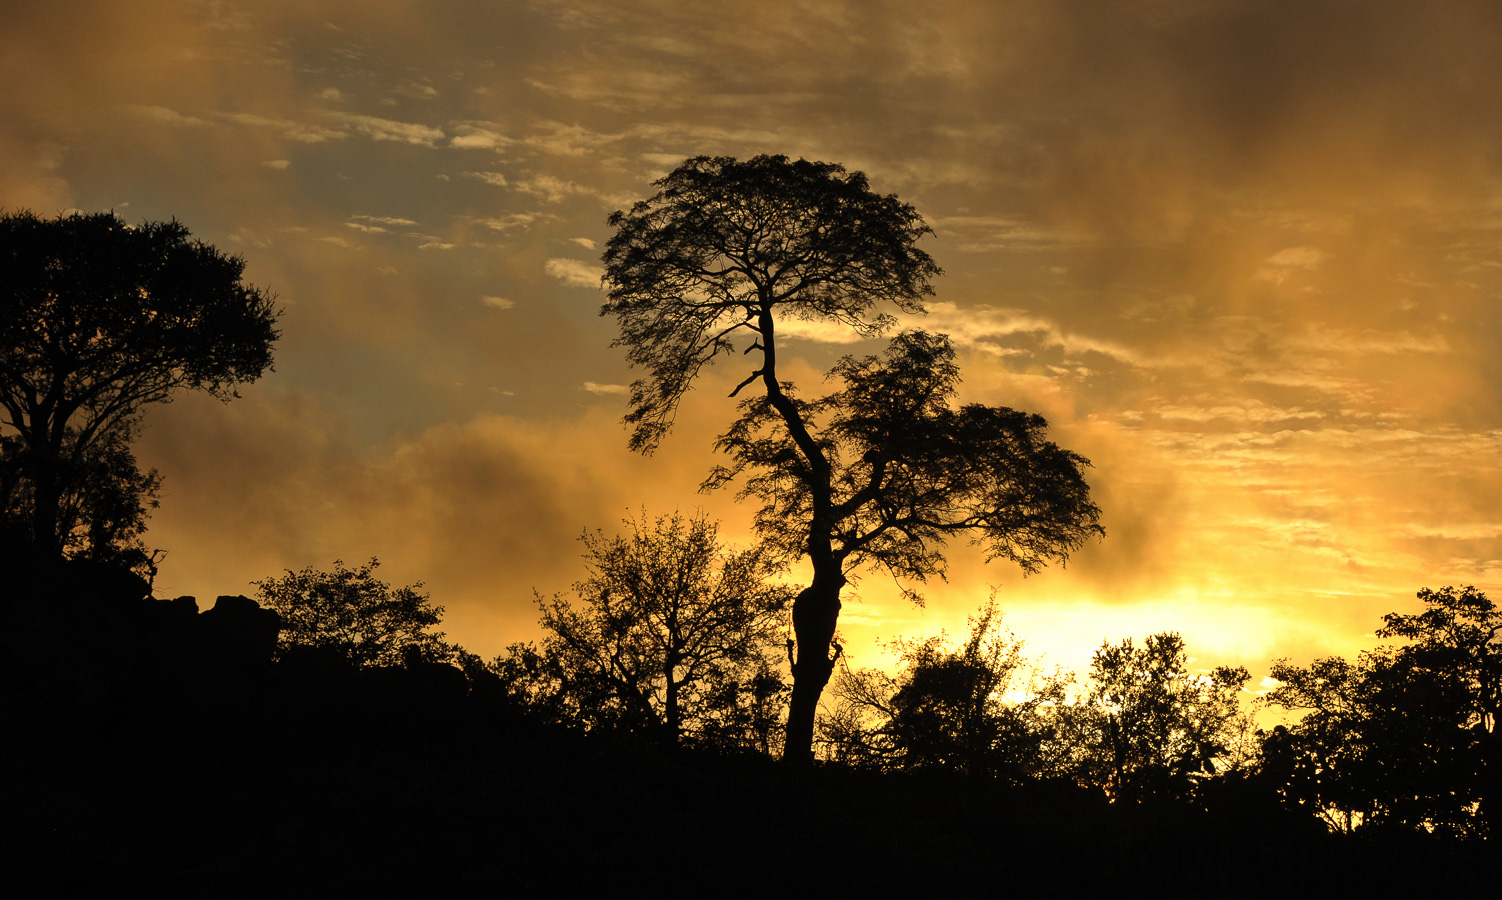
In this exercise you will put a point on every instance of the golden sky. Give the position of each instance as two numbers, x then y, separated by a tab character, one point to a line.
1245	256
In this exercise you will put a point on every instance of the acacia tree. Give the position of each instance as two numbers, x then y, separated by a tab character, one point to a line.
881	472
673	634
99	318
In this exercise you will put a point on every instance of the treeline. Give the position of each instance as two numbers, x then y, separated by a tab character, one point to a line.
664	648
328	711
674	641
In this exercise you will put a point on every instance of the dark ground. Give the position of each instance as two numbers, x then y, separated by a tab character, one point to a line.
179	759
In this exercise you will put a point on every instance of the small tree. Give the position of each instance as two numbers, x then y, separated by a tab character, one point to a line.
97	319
1147	725
880	473
673	635
356	615
977	708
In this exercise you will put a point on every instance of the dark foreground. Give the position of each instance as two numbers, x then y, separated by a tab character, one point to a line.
396	794
185	762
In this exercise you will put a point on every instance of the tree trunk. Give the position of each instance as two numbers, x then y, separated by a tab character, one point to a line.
46	499
815	614
672	719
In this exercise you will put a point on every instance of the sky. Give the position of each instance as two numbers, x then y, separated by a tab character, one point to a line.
1246	257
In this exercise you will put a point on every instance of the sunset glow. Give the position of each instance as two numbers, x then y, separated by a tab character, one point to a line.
1244	257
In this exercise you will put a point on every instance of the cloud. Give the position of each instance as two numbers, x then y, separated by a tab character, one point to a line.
276	163
603	390
1278	266
550	189
1296	257
1251	412
497	302
293	131
512	221
416	91
558	139
311	134
574	272
584	242
385	220
495	178
378	129
1321	338
161	115
478	137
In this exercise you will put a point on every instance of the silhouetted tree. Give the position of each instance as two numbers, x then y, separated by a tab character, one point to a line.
102	508
1457	641
355	615
1148	726
97	319
1406	736
883	471
672	635
977	708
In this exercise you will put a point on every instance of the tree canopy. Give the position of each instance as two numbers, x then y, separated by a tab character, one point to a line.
1404	737
99	318
725	243
1155	726
355	615
673	634
103	504
978	708
882	471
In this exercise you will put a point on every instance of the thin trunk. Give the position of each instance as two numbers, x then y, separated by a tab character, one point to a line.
670	701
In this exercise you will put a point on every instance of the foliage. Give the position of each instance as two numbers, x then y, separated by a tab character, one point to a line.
1405	737
730	249
1148	726
975	708
351	613
102	509
97	319
673	635
724	242
908	471
1457	637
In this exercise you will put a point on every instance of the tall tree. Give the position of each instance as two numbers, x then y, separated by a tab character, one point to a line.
883	471
673	634
99	318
